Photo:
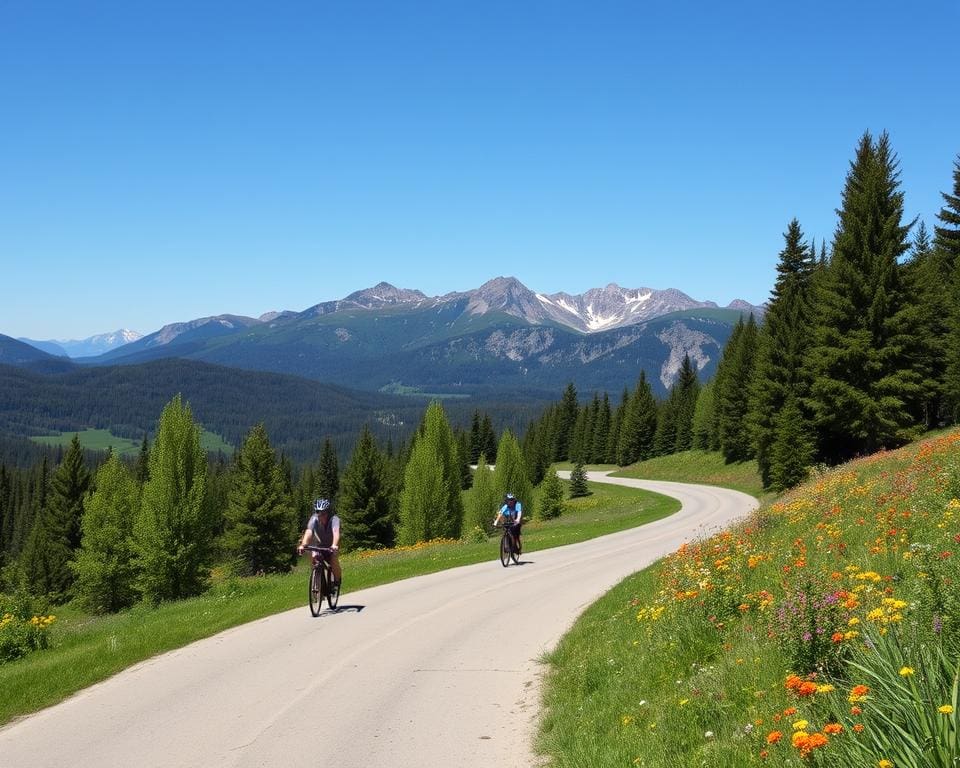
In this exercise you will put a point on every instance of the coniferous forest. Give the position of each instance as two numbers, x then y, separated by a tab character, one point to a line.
858	351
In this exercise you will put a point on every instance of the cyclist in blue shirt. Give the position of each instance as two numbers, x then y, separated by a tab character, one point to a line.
511	513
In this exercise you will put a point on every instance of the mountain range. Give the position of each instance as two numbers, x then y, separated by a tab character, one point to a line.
89	347
501	336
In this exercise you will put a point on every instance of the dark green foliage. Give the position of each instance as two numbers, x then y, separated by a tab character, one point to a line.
173	533
327	478
639	425
566	422
462	440
365	504
782	347
732	392
104	567
685	392
866	384
578	482
792	450
704	422
261	528
142	473
56	533
550	497
947	249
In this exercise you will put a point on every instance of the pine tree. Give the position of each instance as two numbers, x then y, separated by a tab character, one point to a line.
782	346
365	505
430	504
475	445
488	437
703	418
578	482
601	430
173	534
947	247
550	497
511	476
104	568
732	393
864	355
566	421
327	478
639	425
928	280
482	502
792	449
57	528
616	425
261	525
687	389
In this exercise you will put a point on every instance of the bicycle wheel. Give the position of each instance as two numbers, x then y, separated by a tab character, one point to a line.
505	549
316	591
333	591
514	552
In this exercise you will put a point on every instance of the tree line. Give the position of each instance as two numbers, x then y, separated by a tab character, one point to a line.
859	350
113	532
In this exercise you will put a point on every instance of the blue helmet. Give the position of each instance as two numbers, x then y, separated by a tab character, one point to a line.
322	505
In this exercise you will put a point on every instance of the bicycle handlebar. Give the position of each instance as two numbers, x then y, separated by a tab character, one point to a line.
312	548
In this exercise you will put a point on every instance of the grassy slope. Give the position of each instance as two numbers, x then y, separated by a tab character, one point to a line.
685	663
88	649
707	467
102	439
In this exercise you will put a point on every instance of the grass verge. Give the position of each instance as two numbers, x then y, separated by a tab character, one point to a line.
87	649
823	631
707	467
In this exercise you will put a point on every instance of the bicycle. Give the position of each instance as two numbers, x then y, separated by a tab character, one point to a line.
508	545
322	583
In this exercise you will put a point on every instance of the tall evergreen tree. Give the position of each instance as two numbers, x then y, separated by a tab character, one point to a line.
864	356
947	247
142	473
791	452
927	276
703	418
511	476
261	525
732	392
566	421
782	346
173	533
57	530
366	497
686	390
104	567
482	502
430	504
639	424
327	478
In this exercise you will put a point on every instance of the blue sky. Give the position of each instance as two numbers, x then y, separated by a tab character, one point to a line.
166	161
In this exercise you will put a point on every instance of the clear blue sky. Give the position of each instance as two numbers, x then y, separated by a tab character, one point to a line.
171	160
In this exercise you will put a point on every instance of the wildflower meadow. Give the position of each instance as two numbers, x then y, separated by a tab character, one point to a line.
825	630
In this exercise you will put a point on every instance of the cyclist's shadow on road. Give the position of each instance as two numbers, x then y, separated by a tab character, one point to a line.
341	609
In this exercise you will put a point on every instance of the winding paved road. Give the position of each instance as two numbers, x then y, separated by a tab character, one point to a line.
434	671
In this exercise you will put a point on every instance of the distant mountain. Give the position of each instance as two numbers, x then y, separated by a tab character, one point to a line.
501	336
89	347
21	354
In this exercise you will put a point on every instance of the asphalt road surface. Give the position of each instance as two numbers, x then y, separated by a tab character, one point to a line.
439	670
